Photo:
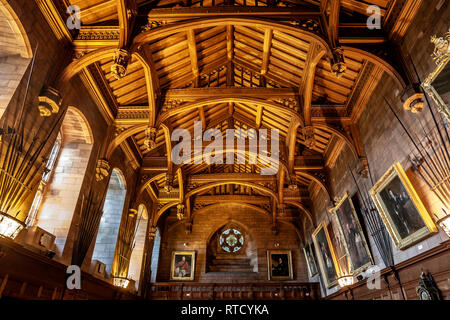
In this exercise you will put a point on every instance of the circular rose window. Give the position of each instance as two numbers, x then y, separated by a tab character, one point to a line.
231	240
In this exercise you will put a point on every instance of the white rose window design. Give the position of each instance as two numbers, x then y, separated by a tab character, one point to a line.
231	240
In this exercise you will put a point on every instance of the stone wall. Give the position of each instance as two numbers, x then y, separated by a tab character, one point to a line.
383	139
208	221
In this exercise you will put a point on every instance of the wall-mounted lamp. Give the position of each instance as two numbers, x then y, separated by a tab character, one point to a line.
444	223
346	281
185	244
121	282
10	226
276	244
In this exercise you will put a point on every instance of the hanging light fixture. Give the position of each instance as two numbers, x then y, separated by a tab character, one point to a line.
10	226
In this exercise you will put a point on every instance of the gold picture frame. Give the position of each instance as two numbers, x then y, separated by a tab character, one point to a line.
309	253
441	56
352	235
401	209
276	269
328	265
182	269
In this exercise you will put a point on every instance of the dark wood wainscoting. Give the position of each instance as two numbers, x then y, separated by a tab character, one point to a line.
235	291
435	261
25	274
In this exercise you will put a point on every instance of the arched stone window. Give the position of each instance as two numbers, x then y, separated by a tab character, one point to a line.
134	270
105	243
57	197
15	54
155	256
231	249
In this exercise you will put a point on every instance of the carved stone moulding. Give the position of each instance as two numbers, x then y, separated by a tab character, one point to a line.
102	169
119	67
152	233
49	101
413	99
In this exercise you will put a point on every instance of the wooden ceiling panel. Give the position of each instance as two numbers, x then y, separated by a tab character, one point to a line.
97	11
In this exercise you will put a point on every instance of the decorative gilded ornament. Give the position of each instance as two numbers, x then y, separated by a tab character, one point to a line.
169	182
180	211
102	169
49	102
337	62
119	67
308	133
150	140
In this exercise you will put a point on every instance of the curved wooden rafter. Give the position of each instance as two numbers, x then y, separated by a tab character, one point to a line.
303	209
316	180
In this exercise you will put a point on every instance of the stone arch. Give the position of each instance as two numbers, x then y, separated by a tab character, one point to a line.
136	258
108	231
245	258
15	54
60	193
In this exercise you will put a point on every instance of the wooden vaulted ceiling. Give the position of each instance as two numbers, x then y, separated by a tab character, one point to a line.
253	60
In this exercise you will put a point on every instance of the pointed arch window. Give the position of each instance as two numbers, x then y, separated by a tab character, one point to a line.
49	168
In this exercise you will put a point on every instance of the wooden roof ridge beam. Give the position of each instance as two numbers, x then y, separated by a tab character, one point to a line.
152	82
315	54
192	46
268	34
126	11
230	55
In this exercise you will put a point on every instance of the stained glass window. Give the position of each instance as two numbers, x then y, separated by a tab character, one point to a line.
231	240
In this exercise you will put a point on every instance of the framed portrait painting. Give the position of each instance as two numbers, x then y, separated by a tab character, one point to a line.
352	235
308	250
182	265
279	264
326	255
401	209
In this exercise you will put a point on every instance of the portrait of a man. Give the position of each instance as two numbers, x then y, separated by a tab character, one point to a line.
401	209
325	255
352	234
183	265
280	264
310	259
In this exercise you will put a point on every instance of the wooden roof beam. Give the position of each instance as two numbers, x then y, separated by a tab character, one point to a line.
268	34
126	11
176	14
192	46
152	81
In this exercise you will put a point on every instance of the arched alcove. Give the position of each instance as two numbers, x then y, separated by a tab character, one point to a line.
155	256
231	249
15	54
105	243
134	270
57	197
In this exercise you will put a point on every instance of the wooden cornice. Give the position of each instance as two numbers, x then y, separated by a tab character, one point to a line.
176	14
55	21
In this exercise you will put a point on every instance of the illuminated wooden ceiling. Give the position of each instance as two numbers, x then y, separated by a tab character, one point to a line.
255	64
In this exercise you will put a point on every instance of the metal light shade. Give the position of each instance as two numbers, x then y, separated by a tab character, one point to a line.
444	223
346	281
10	226
121	282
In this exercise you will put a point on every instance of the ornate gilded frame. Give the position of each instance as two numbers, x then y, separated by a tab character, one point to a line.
358	225
310	271
327	281
269	269
397	171
172	267
441	55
